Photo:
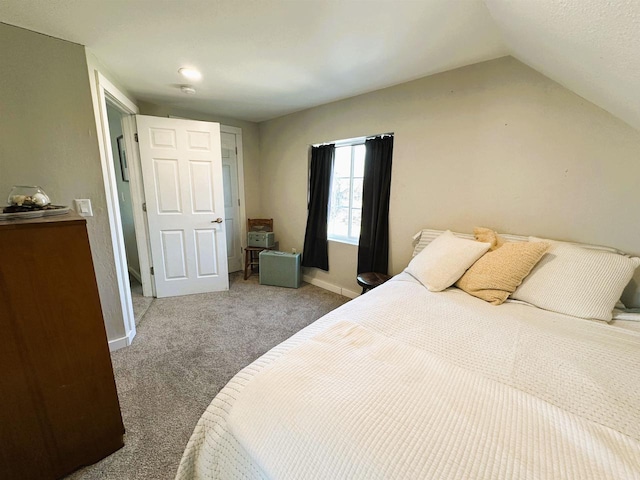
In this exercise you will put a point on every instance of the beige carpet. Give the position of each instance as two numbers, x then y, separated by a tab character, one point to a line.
186	349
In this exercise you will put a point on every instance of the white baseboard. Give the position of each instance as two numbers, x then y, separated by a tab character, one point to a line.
350	293
331	287
121	342
135	274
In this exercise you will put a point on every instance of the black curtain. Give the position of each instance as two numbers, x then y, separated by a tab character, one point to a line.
315	237
373	248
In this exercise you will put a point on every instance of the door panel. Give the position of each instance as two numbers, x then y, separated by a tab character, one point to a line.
173	254
201	187
232	248
167	185
226	176
182	176
232	251
161	137
231	206
198	141
206	247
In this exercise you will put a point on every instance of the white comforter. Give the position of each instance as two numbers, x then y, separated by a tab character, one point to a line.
404	383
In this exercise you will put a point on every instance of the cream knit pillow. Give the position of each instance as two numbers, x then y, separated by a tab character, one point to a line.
497	274
444	260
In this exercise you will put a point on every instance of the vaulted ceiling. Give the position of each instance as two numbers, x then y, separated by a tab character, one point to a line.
590	46
264	58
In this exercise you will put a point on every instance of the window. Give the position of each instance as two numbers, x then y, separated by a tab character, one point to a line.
345	201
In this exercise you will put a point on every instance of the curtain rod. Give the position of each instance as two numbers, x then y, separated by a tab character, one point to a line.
353	141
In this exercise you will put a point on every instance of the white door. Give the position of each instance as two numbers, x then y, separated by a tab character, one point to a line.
231	201
182	177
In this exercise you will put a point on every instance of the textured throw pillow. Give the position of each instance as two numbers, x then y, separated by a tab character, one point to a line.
577	281
489	236
497	274
444	260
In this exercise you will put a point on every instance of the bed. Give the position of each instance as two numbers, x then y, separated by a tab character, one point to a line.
407	383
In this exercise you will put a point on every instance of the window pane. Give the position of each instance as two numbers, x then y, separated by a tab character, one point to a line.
339	223
342	162
356	219
346	193
340	192
357	193
358	160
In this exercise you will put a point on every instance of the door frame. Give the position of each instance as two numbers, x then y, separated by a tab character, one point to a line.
107	90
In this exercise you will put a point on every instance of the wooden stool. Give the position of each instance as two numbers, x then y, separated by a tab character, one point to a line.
252	254
371	280
252	259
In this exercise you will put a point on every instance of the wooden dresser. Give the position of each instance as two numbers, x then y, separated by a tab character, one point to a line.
58	402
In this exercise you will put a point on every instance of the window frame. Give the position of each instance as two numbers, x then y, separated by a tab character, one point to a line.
341	238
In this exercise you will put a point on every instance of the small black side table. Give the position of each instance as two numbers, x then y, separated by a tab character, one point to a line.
371	280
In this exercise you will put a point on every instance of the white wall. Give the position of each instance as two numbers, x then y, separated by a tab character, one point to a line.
48	138
493	144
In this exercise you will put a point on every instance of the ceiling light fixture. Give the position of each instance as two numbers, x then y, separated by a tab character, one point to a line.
190	73
188	89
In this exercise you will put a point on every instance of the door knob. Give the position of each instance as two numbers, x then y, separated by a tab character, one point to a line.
217	220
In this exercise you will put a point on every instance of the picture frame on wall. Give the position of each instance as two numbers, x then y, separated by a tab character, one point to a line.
124	167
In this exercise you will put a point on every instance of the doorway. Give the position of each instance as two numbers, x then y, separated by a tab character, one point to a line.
105	91
121	160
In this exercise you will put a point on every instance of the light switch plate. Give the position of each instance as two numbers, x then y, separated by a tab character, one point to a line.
83	207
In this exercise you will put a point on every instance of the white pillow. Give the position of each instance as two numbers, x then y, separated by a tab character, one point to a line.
426	236
441	263
577	281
